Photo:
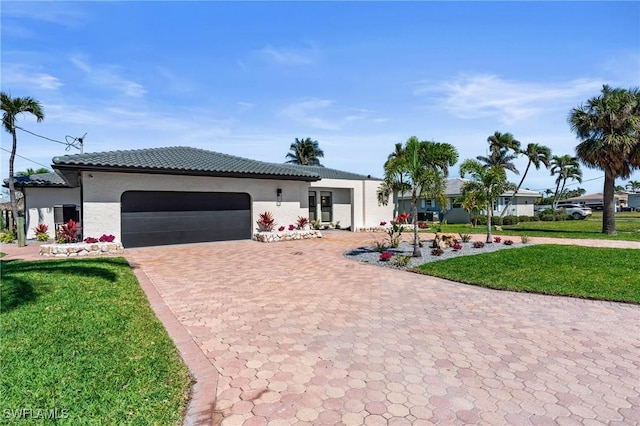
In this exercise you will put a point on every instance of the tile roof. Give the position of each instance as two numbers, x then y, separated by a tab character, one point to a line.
327	173
40	179
182	160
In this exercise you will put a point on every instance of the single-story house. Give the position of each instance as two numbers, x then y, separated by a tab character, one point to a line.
175	195
595	201
522	204
634	200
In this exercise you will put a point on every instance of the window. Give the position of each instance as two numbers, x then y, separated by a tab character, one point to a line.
312	206
326	204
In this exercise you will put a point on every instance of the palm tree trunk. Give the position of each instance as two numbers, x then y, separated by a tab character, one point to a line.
414	212
12	189
506	208
489	216
609	209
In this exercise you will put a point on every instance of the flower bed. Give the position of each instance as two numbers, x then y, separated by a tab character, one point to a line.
274	236
81	249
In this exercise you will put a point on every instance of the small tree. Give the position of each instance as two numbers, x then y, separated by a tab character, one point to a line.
486	186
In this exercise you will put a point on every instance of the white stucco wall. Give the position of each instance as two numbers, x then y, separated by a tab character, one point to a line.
373	212
39	204
102	193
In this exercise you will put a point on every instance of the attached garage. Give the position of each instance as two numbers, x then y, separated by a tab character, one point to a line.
150	218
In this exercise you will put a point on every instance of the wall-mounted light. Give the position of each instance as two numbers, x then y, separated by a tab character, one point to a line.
278	196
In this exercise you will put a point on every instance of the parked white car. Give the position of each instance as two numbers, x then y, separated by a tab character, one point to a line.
577	211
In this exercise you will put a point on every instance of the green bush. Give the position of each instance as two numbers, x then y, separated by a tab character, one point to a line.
524	218
7	238
480	220
496	220
510	220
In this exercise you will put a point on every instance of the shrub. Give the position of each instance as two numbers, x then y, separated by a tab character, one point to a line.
402	260
292	227
457	246
437	252
524	218
380	246
465	238
395	234
510	220
90	240
302	222
266	222
508	242
495	220
497	239
403	217
386	256
7	237
480	220
104	238
281	229
316	224
41	232
69	232
422	225
524	239
478	244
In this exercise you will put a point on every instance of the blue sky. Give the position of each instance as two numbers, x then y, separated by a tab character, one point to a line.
247	78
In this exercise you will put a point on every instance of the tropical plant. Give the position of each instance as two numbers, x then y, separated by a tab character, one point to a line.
395	234
422	169
11	108
104	238
301	222
633	186
31	171
69	232
91	240
478	244
537	155
401	260
486	185
566	167
386	256
265	222
42	232
503	149
608	126
465	238
305	152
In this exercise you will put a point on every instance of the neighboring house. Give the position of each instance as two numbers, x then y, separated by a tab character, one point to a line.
634	200
177	195
522	204
595	201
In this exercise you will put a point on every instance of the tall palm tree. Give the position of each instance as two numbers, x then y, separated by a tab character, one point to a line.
501	158
305	152
395	181
633	186
31	171
537	155
11	108
486	186
424	166
609	127
499	141
566	167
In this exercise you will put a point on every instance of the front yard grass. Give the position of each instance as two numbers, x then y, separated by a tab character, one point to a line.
627	225
585	272
80	341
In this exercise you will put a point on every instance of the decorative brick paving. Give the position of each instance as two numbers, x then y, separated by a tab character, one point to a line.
301	335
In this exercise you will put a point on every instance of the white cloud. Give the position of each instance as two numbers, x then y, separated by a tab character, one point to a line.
486	95
289	55
107	76
322	114
21	76
69	15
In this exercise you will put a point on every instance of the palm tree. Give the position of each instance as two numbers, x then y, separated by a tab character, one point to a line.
501	158
395	183
633	186
305	152
424	167
499	141
30	171
486	186
11	108
566	167
538	155
609	127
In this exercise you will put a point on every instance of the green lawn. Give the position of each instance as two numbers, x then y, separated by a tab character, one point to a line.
80	340
586	272
627	225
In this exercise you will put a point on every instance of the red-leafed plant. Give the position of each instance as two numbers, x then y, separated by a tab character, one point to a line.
508	242
42	232
266	222
90	240
422	225
497	239
386	256
403	217
292	227
107	238
457	246
282	228
383	223
69	232
302	222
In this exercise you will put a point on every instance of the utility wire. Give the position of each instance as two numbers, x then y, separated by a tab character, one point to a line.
25	158
68	143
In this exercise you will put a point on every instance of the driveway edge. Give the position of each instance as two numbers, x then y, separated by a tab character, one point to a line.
200	408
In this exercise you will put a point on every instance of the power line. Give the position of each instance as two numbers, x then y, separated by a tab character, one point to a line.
25	158
68	143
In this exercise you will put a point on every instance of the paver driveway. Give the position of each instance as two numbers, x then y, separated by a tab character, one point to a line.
302	335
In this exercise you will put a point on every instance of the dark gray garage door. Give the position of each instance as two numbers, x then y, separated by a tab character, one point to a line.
151	218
